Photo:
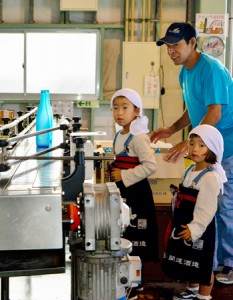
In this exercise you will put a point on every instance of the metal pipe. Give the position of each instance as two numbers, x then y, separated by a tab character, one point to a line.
25	129
102	281
126	20
16	122
95	277
143	19
108	280
69	158
31	11
132	20
17	138
47	151
148	20
1	19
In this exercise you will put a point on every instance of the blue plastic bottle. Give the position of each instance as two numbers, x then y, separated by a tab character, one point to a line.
44	120
51	114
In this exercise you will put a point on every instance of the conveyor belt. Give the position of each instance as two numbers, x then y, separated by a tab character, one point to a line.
33	176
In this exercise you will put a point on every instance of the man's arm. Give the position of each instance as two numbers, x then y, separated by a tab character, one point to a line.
181	123
166	132
213	115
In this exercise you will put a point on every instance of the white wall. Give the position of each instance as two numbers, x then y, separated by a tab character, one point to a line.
112	11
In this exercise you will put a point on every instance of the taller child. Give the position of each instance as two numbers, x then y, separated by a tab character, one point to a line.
134	162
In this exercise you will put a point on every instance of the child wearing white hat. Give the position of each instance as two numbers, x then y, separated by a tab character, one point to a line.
189	252
134	162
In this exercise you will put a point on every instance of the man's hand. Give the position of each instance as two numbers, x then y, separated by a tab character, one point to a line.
163	132
176	152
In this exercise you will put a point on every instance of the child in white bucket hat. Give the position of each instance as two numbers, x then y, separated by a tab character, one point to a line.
134	162
191	241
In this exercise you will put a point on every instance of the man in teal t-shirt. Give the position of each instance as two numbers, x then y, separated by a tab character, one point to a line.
209	83
207	90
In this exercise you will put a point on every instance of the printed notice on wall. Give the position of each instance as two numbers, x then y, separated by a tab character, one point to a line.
212	24
151	86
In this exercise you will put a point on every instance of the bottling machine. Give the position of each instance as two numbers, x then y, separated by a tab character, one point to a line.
47	198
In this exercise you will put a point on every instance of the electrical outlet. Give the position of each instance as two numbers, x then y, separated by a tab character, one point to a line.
64	108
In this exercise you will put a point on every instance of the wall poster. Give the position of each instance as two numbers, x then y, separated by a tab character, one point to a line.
212	24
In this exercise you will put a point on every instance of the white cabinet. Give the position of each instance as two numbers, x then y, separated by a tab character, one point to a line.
82	5
141	64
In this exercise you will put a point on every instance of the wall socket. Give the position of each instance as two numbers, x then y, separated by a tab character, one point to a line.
64	108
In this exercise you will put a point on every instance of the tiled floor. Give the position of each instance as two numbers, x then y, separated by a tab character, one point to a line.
158	287
57	287
165	291
44	287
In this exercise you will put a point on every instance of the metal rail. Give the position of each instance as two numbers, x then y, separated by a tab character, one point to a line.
16	122
69	158
18	138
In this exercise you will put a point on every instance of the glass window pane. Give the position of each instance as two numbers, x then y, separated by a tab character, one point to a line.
11	62
64	63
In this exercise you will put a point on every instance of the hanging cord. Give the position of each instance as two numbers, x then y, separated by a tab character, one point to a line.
161	71
152	70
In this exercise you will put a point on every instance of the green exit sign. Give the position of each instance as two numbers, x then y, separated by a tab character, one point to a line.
88	103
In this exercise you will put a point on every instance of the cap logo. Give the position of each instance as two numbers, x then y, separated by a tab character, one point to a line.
176	30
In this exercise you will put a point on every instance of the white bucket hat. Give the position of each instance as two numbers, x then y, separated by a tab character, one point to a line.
140	124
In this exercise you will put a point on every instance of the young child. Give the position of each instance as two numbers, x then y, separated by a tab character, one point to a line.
134	162
189	251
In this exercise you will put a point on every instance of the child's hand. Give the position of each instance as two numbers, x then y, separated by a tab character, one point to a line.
185	234
116	175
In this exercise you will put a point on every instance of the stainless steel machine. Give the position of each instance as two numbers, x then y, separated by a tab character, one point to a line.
46	199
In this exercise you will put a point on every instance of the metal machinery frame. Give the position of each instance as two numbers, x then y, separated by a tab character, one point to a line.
43	202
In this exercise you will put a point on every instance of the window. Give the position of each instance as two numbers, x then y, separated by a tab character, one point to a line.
64	62
12	63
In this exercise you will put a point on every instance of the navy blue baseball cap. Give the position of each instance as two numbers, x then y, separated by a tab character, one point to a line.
177	32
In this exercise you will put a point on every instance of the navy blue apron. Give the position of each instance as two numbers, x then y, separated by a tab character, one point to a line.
142	231
187	260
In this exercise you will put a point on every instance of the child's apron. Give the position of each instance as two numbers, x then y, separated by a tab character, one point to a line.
186	260
142	231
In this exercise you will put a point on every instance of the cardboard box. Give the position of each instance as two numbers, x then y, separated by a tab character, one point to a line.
166	169
165	175
102	144
161	189
6	114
